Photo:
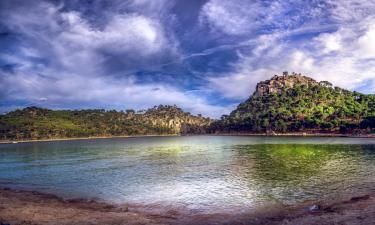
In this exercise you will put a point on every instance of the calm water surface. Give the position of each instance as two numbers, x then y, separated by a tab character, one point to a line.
200	173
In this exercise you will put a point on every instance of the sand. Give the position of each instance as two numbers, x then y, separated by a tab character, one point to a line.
33	208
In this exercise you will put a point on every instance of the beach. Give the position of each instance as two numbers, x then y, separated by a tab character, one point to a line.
34	208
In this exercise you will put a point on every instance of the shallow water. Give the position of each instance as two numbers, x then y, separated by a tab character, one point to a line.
198	173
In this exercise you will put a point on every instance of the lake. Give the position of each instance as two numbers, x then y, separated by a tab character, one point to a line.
198	173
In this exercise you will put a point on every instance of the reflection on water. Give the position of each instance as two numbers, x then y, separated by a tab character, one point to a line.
201	173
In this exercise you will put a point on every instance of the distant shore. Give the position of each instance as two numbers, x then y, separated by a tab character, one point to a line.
296	134
30	207
84	138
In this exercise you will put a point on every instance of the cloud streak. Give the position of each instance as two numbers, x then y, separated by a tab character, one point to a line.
342	53
137	53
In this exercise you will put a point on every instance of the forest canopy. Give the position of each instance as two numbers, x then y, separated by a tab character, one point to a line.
294	103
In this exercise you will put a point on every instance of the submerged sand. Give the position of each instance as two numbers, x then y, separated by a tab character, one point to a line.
33	208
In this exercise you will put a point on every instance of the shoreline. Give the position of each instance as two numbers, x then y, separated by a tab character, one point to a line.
34	208
21	207
298	134
178	135
85	138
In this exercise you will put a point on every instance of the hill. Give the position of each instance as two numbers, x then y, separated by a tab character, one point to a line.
39	123
296	103
282	104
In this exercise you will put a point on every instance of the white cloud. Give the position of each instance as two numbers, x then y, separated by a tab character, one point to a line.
75	76
251	17
69	40
67	58
71	91
366	43
344	57
330	42
345	11
350	40
123	33
239	85
232	17
150	7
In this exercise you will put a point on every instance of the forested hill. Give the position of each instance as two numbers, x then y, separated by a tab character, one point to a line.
38	123
296	103
287	103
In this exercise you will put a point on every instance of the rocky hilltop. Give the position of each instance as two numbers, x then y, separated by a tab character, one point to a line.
283	104
297	103
277	84
39	123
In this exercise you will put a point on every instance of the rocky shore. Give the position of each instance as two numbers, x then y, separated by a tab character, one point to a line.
33	208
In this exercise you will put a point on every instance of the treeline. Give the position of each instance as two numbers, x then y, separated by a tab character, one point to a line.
302	108
288	103
39	123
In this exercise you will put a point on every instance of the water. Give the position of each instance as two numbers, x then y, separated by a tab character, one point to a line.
199	173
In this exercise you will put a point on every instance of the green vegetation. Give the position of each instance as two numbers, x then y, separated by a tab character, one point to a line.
287	103
38	123
294	103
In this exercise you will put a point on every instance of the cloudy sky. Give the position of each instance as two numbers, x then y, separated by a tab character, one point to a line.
205	56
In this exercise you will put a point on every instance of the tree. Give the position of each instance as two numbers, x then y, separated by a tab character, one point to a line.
368	122
313	106
325	84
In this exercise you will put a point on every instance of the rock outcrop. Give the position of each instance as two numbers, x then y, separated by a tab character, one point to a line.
175	119
296	103
277	83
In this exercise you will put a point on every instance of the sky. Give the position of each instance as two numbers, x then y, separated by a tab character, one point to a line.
205	56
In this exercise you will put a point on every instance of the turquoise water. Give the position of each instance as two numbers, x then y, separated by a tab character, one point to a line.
199	173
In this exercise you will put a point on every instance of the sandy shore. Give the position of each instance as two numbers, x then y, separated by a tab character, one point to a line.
32	208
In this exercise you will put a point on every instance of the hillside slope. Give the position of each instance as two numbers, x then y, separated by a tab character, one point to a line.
296	103
38	123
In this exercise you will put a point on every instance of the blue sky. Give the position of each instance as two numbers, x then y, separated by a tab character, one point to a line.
205	56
